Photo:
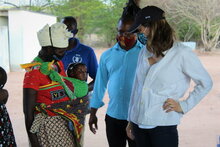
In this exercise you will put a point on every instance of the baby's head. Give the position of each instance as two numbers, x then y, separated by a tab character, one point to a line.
77	71
3	77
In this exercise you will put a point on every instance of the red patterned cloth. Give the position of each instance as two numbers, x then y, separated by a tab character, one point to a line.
53	100
49	92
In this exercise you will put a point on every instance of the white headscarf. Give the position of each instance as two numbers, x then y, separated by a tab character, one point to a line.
57	35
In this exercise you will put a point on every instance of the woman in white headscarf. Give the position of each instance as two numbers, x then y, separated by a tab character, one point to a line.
46	95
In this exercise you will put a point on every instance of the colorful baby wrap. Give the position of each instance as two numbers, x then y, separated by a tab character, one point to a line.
73	110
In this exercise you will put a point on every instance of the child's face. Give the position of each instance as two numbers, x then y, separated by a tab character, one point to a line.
80	73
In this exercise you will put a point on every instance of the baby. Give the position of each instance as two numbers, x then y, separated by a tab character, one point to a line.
77	74
77	71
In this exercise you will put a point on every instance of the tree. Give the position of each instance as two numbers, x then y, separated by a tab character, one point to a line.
186	31
93	16
40	5
107	20
204	13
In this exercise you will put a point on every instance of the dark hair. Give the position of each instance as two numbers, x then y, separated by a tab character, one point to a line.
3	77
129	11
70	19
72	68
161	36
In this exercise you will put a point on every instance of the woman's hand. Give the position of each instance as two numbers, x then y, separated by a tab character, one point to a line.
129	131
172	105
3	96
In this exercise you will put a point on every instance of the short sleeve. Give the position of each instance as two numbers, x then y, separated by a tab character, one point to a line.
32	80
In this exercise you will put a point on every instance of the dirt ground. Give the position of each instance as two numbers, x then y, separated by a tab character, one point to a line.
199	128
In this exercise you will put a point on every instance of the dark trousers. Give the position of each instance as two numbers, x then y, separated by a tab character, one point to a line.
116	132
161	136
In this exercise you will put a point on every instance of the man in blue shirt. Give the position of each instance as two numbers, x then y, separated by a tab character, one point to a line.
78	52
116	71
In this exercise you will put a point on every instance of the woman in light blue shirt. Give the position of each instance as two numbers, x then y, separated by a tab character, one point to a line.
164	71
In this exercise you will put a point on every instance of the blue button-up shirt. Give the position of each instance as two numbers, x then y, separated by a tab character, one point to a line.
116	70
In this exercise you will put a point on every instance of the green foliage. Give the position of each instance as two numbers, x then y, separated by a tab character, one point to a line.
41	6
107	20
101	17
93	16
187	31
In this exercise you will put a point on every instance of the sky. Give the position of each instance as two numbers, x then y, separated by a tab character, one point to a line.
15	2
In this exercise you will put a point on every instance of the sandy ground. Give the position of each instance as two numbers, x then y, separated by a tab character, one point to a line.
199	128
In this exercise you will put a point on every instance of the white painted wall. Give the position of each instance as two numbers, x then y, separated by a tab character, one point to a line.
4	50
23	28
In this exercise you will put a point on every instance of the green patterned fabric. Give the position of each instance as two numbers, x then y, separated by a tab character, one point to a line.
80	87
54	76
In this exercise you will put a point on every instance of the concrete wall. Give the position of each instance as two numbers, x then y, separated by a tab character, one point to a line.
23	28
4	50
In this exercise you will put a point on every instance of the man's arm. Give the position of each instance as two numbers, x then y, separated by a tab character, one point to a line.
29	102
99	90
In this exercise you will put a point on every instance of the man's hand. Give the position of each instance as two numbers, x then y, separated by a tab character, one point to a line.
172	105
93	120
